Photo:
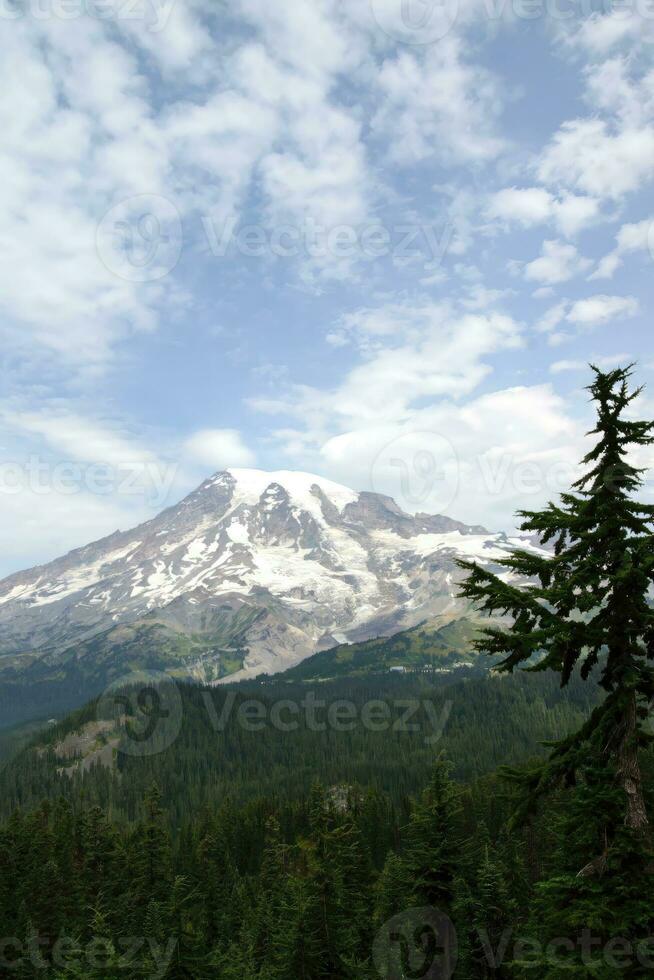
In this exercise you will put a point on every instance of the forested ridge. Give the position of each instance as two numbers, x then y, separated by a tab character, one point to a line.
481	722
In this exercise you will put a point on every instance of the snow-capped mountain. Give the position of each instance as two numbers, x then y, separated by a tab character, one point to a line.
267	568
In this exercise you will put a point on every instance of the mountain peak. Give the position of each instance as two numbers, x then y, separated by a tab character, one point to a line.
268	567
251	484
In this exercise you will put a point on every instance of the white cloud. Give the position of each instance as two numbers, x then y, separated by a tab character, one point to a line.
89	126
598	34
173	35
600	309
74	437
436	353
552	317
574	212
38	527
313	38
421	365
585	313
526	205
530	206
66	480
218	449
612	88
587	156
55	293
301	114
409	353
437	104
636	237
610	153
513	448
558	367
558	262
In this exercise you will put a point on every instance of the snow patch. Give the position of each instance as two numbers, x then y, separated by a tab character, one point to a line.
251	484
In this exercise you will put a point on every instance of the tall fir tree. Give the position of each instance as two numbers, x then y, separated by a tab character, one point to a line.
588	926
585	605
433	846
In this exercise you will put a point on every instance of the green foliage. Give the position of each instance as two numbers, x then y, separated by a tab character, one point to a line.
424	646
206	765
587	606
587	603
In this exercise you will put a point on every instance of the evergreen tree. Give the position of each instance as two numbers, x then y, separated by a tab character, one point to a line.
433	847
592	912
586	604
392	889
152	858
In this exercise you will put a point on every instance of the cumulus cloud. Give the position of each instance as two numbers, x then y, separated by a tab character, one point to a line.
218	449
557	263
439	105
635	237
601	33
587	156
67	479
510	448
409	353
530	206
415	392
599	309
89	127
288	116
585	314
76	437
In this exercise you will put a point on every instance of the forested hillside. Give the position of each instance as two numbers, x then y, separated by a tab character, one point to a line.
425	646
337	884
218	753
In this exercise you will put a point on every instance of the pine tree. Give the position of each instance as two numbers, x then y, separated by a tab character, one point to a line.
392	890
267	919
585	605
325	907
614	906
432	851
219	888
152	856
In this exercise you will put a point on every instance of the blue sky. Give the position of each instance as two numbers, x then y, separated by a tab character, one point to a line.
377	240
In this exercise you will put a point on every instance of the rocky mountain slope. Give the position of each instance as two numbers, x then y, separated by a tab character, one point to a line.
251	572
